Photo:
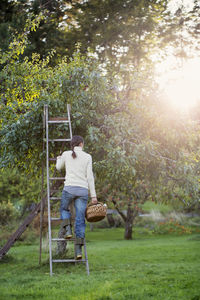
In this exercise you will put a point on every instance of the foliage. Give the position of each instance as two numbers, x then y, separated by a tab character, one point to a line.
12	19
146	155
7	212
181	184
19	190
171	226
119	32
125	35
139	149
50	34
27	86
183	39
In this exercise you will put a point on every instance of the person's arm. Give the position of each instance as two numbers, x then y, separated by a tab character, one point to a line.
90	178
60	162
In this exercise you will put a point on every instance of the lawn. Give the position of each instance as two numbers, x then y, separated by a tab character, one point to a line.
148	267
161	207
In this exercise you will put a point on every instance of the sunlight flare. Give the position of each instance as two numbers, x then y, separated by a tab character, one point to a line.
181	87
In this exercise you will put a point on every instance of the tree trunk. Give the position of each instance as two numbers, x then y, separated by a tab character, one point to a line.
111	220
128	231
61	245
129	223
128	218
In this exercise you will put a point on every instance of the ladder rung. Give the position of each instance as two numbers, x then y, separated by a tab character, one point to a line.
55	198
58	122
60	140
61	239
57	178
53	158
59	219
58	119
68	260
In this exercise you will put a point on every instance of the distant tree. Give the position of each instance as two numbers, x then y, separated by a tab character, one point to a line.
50	34
13	15
122	33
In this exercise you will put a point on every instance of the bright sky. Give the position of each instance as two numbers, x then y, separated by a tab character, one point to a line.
181	87
175	4
180	84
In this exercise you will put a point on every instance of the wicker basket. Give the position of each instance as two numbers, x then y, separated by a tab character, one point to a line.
95	212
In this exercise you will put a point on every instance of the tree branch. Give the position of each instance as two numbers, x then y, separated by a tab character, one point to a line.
119	211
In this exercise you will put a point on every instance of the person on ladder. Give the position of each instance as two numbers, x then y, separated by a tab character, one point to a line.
78	179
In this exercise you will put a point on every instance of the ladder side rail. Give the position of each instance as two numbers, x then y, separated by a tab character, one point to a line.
48	188
42	187
86	259
68	114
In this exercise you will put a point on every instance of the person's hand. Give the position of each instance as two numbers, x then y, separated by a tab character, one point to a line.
58	156
94	200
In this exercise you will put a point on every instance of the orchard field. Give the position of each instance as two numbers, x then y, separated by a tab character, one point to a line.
130	71
147	267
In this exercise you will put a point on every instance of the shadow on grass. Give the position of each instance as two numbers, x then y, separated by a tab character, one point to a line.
7	259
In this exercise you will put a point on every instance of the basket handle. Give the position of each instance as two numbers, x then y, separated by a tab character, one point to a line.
91	204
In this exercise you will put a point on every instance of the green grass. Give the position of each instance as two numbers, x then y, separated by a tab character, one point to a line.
148	267
161	207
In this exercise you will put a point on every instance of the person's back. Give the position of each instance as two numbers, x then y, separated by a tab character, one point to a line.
78	170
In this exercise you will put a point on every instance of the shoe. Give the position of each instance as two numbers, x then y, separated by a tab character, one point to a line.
66	225
68	234
78	252
78	248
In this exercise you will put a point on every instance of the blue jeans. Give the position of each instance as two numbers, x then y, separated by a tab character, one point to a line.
80	203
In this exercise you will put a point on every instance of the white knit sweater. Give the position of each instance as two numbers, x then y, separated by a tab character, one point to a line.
78	170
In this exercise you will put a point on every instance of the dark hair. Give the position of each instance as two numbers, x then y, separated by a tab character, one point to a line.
76	140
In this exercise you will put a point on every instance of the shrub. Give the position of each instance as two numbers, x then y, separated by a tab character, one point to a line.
171	226
7	212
